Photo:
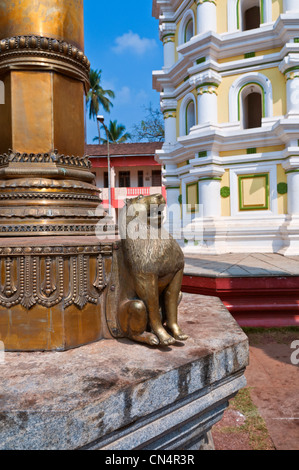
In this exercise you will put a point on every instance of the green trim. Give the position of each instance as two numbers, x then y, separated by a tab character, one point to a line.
248	55
225	192
251	151
172	187
282	188
239	96
202	154
186	78
296	40
292	171
296	67
168	35
169	110
250	208
210	178
238	14
201	60
192	211
180	199
262	19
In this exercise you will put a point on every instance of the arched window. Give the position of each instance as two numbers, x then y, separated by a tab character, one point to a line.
2	93
250	100
251	109
186	31
250	14
190	116
187	114
189	31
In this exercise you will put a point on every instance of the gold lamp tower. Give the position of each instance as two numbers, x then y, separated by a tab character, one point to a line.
53	268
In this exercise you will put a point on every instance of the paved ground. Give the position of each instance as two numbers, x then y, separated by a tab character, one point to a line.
271	420
242	265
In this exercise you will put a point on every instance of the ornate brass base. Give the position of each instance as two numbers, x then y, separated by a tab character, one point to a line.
52	294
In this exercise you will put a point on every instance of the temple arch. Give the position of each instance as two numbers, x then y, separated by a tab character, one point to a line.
250	85
187	27
187	114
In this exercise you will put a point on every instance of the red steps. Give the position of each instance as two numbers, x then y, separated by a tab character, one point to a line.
253	301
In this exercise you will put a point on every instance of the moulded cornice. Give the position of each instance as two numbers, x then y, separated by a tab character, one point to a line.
208	76
291	60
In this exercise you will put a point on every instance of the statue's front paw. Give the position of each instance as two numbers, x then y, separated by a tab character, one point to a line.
165	338
177	332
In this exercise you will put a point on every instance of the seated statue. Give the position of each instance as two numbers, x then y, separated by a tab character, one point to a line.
150	268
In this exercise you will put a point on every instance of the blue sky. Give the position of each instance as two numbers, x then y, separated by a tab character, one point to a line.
122	39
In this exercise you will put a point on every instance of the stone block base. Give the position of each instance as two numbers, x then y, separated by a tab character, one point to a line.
118	395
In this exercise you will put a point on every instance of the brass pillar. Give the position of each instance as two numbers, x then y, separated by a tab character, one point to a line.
45	75
52	276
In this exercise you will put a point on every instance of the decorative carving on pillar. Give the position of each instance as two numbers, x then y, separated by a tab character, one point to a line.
40	276
24	51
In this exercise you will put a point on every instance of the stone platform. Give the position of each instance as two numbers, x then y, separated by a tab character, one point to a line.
259	289
119	395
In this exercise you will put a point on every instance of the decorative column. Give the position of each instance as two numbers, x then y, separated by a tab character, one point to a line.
209	183
206	16
167	35
290	6
206	84
293	191
291	167
290	68
169	107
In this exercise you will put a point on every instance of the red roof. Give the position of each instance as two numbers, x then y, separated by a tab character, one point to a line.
139	148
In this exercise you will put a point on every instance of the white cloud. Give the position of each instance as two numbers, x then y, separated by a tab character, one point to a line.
132	42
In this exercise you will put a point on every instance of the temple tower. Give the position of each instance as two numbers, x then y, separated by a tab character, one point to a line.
229	93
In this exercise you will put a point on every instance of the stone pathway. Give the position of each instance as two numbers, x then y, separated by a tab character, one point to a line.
273	385
242	265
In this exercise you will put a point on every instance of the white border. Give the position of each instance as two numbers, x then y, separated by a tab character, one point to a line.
254	169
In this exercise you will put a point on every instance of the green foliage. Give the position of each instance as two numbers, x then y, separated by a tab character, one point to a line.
150	129
97	96
116	133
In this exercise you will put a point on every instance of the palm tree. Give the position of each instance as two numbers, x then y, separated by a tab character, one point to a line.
96	96
116	133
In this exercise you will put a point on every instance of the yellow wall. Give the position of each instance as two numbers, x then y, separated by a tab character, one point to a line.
222	17
282	199
277	9
225	201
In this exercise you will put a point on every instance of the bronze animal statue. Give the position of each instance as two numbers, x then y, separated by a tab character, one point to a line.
150	268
